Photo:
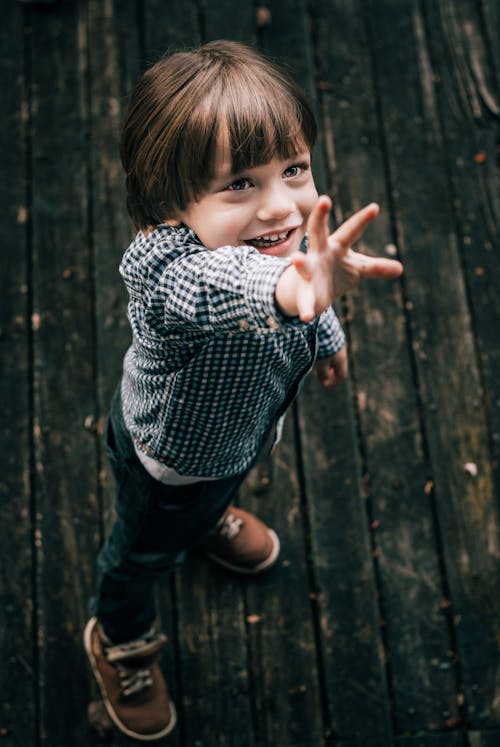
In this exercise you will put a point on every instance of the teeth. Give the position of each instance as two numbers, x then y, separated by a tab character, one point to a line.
272	237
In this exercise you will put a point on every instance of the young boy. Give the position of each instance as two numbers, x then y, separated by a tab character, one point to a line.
227	316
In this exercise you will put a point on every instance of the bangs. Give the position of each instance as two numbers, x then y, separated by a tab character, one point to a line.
240	115
260	129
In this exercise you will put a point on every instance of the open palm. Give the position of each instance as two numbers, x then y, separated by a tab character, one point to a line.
331	268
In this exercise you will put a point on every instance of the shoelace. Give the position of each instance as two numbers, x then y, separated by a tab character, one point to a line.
133	681
230	527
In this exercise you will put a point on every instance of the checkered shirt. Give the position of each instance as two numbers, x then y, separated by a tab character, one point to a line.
213	363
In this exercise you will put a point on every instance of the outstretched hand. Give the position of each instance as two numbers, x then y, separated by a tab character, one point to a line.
330	268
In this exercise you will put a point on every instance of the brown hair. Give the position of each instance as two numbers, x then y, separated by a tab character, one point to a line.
176	114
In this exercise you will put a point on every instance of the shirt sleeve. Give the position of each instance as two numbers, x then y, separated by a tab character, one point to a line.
331	336
230	288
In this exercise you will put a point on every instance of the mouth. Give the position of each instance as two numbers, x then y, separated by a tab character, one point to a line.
271	240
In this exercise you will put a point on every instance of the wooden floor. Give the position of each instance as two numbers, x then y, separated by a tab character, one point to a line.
381	624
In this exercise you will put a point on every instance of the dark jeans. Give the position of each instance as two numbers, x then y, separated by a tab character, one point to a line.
156	524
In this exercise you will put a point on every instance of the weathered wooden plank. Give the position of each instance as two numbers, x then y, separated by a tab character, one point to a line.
443	739
221	20
18	673
468	102
422	681
168	28
113	69
66	484
484	738
280	628
215	699
490	16
351	641
445	361
290	43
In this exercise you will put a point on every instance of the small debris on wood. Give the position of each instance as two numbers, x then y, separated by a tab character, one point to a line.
470	468
22	215
480	157
428	487
89	423
263	17
35	321
253	619
479	272
391	250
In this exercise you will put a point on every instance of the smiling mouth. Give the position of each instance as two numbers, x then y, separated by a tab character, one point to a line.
272	239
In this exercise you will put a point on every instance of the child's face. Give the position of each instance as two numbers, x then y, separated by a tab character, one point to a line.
266	207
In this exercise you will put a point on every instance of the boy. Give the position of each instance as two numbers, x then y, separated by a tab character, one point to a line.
227	316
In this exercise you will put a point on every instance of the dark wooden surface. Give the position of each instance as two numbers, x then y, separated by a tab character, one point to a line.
380	626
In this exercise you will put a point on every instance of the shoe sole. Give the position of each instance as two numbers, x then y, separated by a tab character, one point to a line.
260	568
87	642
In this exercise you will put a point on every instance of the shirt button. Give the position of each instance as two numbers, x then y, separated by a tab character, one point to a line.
244	324
272	323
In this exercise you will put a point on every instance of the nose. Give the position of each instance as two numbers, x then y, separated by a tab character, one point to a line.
276	203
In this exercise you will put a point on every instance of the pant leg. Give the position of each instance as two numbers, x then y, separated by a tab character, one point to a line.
156	524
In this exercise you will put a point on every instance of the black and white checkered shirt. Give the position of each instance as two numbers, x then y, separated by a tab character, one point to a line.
213	363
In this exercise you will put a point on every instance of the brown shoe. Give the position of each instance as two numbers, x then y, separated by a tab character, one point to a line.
242	543
131	683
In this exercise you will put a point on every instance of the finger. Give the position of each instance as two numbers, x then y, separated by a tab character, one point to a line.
327	378
352	229
301	264
317	226
305	303
378	267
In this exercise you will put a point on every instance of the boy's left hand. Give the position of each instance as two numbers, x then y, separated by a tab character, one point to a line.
331	371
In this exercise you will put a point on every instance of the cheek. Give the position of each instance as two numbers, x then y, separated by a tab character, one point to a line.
310	198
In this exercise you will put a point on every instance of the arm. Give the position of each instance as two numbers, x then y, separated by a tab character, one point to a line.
331	267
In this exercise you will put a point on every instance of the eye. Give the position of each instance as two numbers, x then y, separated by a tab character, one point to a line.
239	185
295	169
